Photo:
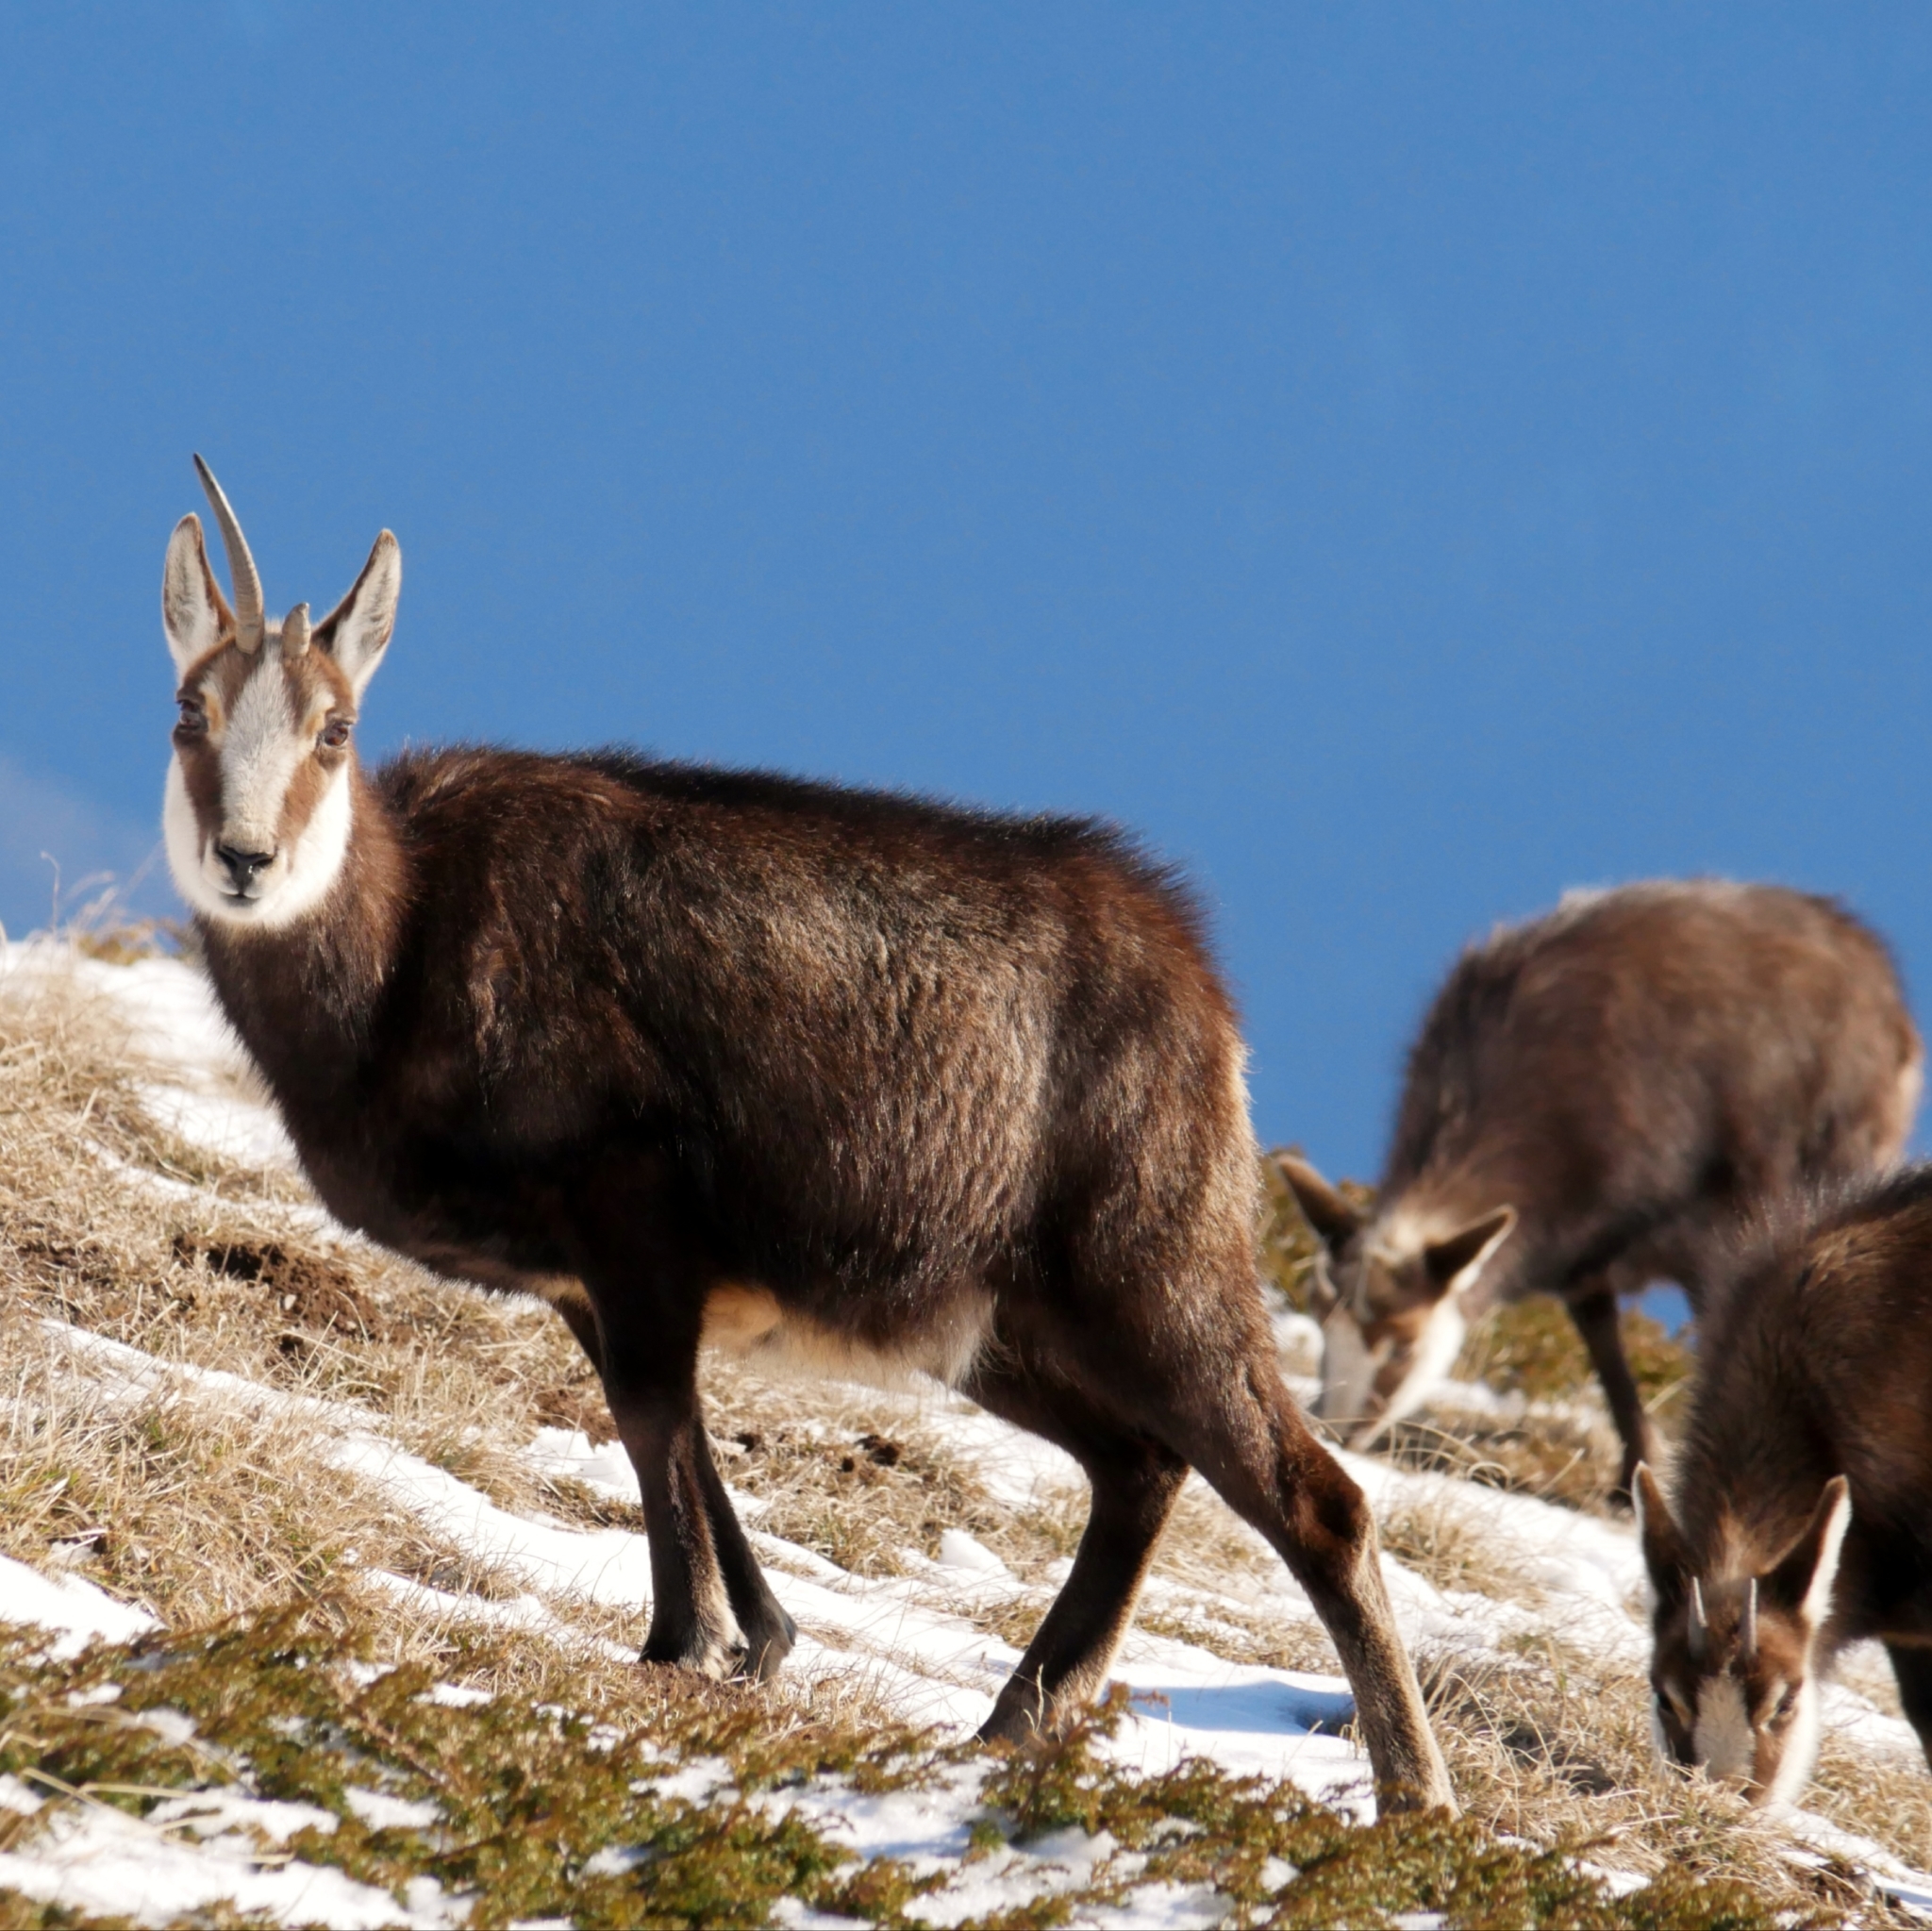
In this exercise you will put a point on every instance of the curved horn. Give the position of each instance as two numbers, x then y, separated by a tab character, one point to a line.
1747	1628
295	631
249	625
1700	1623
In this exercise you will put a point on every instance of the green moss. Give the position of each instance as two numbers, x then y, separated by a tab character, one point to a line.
1197	1824
540	1812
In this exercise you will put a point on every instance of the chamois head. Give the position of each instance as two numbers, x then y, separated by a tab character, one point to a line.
1387	1292
258	798
1734	1678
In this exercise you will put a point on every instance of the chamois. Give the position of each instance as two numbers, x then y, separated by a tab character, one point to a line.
1801	1522
704	1055
1598	1099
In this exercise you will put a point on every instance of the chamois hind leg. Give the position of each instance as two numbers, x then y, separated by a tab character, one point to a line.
1241	1429
1595	1316
1912	1666
1135	1483
701	1569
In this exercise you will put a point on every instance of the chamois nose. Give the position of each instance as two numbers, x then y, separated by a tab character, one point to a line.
243	866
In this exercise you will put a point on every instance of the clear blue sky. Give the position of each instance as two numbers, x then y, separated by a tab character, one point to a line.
1404	459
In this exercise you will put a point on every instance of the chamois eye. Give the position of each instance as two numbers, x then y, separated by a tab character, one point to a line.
334	734
193	718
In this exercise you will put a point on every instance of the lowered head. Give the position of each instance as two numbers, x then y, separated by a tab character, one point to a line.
1734	1665
259	796
1388	1291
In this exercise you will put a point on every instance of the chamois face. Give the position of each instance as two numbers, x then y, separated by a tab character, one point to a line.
258	803
1734	1672
1388	1294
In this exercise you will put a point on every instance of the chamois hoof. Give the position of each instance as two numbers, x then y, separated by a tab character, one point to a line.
1019	1716
764	1653
704	1656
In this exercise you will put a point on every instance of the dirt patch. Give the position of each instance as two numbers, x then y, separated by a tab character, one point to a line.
577	1403
307	1290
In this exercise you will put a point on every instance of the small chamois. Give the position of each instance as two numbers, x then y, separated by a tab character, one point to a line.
1599	1099
1801	1521
714	1056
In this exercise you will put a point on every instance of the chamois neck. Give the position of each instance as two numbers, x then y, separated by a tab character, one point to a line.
325	972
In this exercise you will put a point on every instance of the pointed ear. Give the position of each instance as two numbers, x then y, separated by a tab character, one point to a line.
356	632
1665	1554
1453	1263
193	611
1328	1215
1801	1577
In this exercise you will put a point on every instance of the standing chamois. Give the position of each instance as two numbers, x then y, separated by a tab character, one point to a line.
707	1055
1597	1100
1802	1522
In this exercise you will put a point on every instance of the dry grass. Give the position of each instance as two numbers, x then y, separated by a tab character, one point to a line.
199	1508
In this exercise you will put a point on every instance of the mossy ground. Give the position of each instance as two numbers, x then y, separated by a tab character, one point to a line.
529	1808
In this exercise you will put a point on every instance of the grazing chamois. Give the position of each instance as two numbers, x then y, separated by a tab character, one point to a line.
1801	1520
714	1056
1598	1099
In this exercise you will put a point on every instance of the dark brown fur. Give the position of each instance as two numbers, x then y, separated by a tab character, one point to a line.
1816	1364
1637	1074
955	1088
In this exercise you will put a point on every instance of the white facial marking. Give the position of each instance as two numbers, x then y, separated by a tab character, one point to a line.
1801	1745
261	746
1436	1350
260	750
1348	1368
1725	1742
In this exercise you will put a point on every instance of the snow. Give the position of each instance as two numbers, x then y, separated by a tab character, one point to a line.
194	1852
75	1609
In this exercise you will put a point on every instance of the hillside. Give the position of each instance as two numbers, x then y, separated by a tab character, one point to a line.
326	1584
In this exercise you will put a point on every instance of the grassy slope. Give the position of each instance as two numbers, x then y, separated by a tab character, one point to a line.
551	1798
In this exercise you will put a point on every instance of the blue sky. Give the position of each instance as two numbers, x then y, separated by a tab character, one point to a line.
1404	459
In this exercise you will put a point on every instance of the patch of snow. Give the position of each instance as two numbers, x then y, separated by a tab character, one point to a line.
75	1609
379	1810
90	1859
957	1550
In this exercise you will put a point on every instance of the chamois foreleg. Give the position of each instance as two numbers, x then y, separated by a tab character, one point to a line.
701	1567
1911	1664
1595	1315
769	1633
1135	1483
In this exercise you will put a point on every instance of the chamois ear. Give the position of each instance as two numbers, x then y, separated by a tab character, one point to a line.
1328	1215
356	632
1802	1578
193	611
1665	1555
1453	1263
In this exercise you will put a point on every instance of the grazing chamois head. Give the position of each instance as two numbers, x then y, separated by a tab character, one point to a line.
1388	1292
1734	1682
260	792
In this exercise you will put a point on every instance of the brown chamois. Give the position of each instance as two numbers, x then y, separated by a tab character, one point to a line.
1599	1099
704	1055
1802	1522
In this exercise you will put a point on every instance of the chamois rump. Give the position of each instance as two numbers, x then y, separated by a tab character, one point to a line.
703	1055
1801	1521
1598	1099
